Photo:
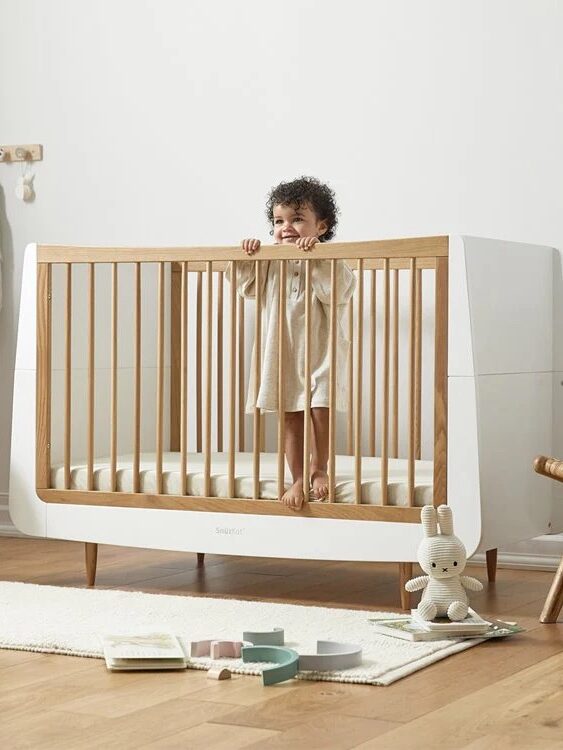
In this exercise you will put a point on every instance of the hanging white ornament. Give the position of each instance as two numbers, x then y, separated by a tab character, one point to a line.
24	188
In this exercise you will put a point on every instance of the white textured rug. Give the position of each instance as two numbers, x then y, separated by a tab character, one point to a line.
70	621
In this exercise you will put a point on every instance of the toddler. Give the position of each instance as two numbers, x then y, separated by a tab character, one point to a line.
302	212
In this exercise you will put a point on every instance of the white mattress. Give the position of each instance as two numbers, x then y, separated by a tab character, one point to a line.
244	482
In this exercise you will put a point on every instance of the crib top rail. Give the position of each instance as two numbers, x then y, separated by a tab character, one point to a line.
412	247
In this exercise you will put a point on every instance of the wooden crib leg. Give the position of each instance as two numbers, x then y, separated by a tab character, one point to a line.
554	601
405	573
491	555
91	554
200	556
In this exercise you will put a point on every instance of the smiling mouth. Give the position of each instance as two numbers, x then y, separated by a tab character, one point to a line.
293	237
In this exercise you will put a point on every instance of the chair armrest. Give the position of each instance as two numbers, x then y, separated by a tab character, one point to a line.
549	467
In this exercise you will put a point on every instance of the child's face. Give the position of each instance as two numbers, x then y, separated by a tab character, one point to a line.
290	223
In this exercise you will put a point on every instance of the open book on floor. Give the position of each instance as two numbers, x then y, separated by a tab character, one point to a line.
409	629
138	652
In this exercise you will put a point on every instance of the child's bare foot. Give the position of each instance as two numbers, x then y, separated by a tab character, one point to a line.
319	481
294	497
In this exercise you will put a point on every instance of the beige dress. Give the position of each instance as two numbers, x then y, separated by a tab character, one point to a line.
294	398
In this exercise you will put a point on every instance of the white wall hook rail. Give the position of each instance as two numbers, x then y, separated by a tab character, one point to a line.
29	152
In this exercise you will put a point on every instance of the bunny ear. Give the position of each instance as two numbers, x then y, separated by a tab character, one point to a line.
429	523
446	520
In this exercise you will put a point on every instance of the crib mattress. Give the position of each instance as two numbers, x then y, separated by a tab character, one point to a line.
244	482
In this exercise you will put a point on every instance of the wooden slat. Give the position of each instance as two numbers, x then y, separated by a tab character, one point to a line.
159	377
241	376
418	367
412	386
198	358
343	511
175	357
307	384
332	385
395	377
113	386
373	363
417	247
208	374
281	375
43	382
137	382
183	377
263	432
68	377
385	397
441	384
232	380
219	388
257	368
91	376
358	388
350	415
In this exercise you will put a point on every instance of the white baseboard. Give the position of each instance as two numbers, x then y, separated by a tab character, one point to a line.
542	553
7	528
521	561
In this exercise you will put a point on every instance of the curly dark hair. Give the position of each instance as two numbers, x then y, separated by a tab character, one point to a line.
306	190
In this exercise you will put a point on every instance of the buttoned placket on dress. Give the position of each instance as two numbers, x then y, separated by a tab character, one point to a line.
295	279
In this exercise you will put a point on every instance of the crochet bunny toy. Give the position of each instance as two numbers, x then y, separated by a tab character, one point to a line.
442	557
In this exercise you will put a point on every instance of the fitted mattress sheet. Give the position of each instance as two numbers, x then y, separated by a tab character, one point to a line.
397	480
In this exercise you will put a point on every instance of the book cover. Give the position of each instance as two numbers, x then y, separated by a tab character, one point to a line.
473	623
409	630
406	629
152	651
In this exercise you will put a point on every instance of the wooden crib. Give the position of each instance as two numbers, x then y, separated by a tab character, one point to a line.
140	380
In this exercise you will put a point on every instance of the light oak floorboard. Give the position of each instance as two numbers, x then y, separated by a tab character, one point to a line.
496	695
215	736
526	707
327	731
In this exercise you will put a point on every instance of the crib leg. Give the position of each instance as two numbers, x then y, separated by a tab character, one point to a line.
405	574
491	556
200	556
91	553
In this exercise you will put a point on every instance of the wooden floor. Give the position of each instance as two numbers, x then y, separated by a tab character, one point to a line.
504	694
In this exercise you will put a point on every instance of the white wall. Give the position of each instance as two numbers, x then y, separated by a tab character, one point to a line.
166	121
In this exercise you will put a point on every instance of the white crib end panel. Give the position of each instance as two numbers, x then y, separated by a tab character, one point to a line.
26	345
515	425
557	449
558	310
460	344
27	511
464	496
510	293
236	534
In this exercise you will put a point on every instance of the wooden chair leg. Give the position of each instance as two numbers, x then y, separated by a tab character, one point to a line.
91	554
200	557
405	573
554	601
491	555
